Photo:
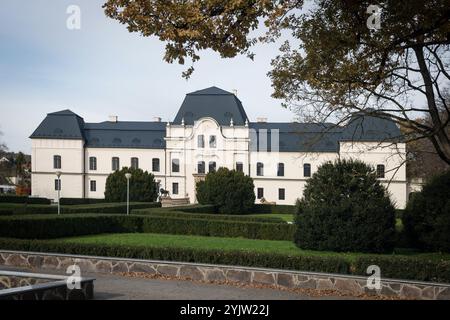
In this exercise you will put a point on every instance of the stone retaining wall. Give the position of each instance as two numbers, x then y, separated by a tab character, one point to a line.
218	273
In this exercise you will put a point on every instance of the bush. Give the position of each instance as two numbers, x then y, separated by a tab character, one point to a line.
230	191
143	187
426	219
404	267
345	208
78	201
242	258
273	208
51	227
397	267
183	214
120	208
22	199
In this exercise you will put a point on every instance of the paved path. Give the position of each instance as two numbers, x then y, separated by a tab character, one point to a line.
115	287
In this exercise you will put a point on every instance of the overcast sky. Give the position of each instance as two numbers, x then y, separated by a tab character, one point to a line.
104	70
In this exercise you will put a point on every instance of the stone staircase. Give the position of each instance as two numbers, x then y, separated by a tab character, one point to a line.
167	202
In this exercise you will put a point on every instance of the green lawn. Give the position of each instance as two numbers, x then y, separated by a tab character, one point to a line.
225	244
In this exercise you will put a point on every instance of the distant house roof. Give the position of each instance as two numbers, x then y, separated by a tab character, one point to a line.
211	102
222	106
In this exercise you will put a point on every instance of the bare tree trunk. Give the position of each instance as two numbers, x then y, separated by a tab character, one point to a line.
439	136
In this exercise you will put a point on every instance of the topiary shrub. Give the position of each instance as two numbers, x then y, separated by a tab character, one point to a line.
230	191
426	219
142	186
345	208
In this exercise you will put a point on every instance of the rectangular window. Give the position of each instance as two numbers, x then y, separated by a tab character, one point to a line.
239	167
175	165
93	186
135	163
201	167
307	170
212	166
57	185
260	169
115	164
260	193
281	194
93	163
201	141
56	162
155	165
280	170
175	188
380	171
212	142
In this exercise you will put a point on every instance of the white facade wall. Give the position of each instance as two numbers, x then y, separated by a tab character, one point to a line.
293	180
391	156
44	174
104	166
232	146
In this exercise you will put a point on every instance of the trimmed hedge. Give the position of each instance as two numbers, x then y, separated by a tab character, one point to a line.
109	207
219	228
119	208
184	214
397	267
22	199
273	208
404	267
52	227
78	201
241	258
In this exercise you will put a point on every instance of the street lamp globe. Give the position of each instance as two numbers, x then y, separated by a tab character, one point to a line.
128	176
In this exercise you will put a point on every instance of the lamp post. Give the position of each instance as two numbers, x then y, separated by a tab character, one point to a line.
128	176
58	174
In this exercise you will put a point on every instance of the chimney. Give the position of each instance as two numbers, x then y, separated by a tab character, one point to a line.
261	120
114	119
157	119
235	92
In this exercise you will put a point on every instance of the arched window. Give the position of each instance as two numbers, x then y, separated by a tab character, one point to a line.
175	165
201	167
155	165
260	169
93	163
56	162
135	163
200	141
307	170
115	163
212	142
380	171
280	170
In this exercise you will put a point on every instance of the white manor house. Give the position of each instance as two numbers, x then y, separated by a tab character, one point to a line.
210	130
